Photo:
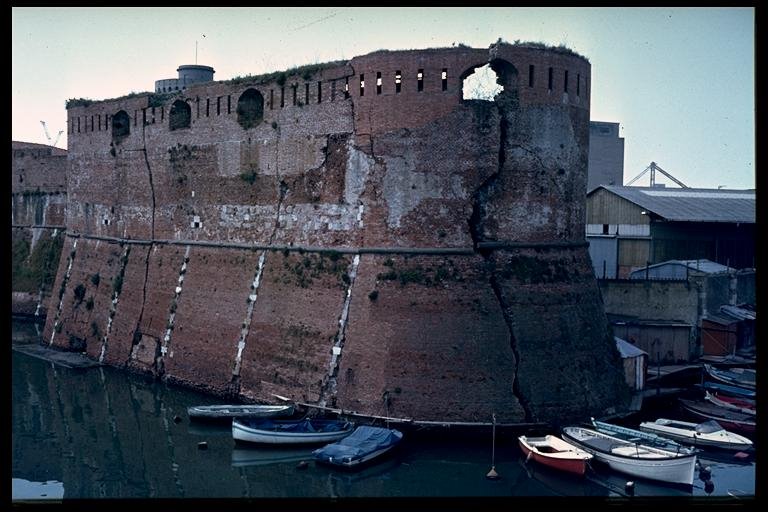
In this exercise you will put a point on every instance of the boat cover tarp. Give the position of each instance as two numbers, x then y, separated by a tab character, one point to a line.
363	440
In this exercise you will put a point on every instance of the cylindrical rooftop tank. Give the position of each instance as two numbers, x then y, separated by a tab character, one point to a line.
193	73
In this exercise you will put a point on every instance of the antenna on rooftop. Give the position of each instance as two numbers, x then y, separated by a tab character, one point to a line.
48	135
653	168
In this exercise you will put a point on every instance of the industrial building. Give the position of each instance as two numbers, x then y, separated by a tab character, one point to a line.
606	155
632	227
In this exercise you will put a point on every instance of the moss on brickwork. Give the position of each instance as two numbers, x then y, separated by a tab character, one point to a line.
306	72
30	272
530	270
416	274
303	269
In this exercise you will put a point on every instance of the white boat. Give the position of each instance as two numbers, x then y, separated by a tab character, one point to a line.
633	458
637	436
239	411
304	431
363	445
709	433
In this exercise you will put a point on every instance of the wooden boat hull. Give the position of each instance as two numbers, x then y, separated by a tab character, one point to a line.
239	411
730	420
574	462
734	377
638	436
731	403
685	432
734	391
244	433
674	469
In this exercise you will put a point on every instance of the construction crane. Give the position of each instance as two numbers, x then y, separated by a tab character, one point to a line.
653	168
48	135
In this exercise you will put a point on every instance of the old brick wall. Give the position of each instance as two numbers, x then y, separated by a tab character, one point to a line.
38	209
403	253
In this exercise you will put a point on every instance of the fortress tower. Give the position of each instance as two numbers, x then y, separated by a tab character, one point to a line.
352	234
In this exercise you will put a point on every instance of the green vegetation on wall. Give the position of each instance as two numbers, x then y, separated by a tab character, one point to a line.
32	271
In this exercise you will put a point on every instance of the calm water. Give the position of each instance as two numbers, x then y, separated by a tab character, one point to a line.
100	433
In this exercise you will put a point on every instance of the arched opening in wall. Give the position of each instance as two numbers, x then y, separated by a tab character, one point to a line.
180	116
121	126
250	108
488	81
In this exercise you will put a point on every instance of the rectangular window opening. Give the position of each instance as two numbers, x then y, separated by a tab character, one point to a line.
271	99
306	93
207	107
444	78
319	92
294	87
362	85
398	81
218	105
420	80
549	86
162	114
153	115
605	229
229	103
197	101
282	97
99	125
530	75
144	117
91	123
565	82
78	124
378	82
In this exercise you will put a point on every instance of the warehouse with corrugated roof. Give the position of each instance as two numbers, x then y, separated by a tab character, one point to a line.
633	227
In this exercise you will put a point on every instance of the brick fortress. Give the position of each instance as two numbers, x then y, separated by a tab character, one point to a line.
353	234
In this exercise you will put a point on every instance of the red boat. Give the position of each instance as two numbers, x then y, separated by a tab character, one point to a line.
744	405
730	420
555	453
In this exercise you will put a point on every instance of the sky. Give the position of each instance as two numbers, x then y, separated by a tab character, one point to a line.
680	81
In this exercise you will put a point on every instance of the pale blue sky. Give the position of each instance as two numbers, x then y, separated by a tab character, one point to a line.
680	81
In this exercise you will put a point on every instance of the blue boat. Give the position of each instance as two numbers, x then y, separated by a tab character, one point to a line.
728	390
741	377
364	444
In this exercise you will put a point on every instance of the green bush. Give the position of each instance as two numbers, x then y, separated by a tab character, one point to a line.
79	293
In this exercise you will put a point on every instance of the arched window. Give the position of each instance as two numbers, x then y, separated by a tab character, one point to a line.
180	116
250	108
121	126
488	81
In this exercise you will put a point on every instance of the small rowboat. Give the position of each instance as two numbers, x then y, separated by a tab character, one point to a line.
732	403
742	377
305	431
239	411
732	420
555	453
